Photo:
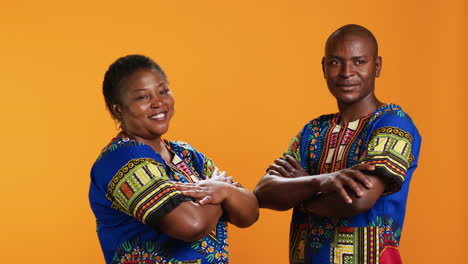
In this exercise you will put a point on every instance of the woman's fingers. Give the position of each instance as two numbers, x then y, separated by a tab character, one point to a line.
205	200
197	194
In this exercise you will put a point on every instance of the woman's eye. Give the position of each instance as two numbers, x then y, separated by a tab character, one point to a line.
141	97
164	91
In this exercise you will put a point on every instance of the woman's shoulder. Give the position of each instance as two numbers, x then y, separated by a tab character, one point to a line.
117	143
180	146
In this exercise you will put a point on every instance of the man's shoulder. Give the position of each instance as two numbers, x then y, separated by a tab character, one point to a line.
390	110
391	117
321	120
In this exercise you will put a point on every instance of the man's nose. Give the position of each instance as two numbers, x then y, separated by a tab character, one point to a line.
347	69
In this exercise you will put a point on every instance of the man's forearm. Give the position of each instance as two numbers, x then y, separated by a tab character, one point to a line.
279	193
333	205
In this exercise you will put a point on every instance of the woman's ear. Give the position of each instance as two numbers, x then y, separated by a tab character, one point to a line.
116	111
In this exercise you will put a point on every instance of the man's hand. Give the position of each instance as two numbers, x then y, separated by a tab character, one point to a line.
345	180
287	167
341	181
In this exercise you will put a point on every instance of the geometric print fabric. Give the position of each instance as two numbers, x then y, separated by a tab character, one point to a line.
139	188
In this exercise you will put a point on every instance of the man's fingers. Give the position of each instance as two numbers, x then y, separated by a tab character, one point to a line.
279	169
344	195
361	177
285	164
364	167
353	186
293	162
273	172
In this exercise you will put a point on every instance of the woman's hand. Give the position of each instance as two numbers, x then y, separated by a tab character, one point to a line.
211	191
287	167
222	177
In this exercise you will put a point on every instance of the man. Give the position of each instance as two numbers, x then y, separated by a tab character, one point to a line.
347	174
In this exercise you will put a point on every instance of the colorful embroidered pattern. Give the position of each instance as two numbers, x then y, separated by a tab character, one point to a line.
208	168
131	190
215	249
178	165
337	145
386	138
119	142
132	252
390	151
355	245
139	188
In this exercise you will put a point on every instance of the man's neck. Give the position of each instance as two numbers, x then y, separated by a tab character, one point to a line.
355	111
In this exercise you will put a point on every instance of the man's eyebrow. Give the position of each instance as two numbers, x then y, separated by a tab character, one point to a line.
358	57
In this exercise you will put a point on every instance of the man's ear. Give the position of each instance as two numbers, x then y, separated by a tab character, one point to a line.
378	66
323	67
116	111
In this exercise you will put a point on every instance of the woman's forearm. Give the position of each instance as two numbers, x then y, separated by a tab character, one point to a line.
241	206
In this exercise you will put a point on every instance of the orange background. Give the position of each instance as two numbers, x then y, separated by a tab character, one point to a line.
247	77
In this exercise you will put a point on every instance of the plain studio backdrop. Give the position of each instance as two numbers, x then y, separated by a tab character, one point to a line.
246	76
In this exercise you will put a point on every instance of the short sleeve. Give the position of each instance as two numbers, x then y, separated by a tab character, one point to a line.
208	167
142	189
391	148
294	148
137	183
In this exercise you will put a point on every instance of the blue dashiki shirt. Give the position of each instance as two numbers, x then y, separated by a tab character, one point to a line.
386	138
131	189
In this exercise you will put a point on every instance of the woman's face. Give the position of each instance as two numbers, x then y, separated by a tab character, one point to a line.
146	105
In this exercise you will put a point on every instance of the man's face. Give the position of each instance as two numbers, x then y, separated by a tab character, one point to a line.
350	67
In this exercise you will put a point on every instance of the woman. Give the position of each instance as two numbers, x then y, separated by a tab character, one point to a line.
157	201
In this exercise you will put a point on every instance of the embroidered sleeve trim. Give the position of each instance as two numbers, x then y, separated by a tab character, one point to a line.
294	148
389	149
208	168
141	187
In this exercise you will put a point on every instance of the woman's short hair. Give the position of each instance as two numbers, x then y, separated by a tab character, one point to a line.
121	69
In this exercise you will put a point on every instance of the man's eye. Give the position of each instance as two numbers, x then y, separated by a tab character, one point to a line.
334	62
359	62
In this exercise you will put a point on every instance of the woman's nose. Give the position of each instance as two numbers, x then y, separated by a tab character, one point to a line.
156	102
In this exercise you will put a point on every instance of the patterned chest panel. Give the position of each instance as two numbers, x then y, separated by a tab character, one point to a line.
187	165
333	146
326	146
183	166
